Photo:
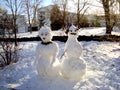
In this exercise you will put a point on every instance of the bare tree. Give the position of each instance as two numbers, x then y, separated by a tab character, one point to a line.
15	7
31	7
82	6
106	7
110	15
27	7
8	51
64	7
35	6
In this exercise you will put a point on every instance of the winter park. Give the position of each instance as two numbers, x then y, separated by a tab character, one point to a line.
60	45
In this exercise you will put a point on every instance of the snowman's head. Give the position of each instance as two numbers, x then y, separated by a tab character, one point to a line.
45	34
73	31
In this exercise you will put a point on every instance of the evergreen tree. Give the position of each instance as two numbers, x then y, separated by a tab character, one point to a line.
56	18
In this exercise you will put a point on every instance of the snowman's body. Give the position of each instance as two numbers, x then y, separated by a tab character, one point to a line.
73	47
73	66
47	63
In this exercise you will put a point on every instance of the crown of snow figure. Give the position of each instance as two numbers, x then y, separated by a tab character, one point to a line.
73	30
72	27
45	33
45	29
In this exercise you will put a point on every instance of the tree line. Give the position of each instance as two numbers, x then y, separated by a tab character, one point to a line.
111	11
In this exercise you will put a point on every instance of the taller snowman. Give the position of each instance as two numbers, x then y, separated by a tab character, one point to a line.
73	66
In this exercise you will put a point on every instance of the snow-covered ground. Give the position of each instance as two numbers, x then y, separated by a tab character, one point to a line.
83	31
102	58
93	31
103	69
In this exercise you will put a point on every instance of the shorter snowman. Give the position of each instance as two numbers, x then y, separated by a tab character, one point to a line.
73	66
46	62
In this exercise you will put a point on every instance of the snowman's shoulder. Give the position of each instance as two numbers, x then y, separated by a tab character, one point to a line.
54	44
79	43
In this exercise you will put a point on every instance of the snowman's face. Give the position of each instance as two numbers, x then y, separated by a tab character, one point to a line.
45	34
73	30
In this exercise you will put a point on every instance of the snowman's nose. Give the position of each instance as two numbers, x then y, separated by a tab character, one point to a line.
43	38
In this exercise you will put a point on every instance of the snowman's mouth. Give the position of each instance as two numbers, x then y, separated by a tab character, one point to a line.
73	33
46	43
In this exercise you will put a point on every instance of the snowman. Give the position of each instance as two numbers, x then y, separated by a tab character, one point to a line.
47	64
73	66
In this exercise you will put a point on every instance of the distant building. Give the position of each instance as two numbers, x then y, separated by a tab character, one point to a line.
21	24
6	23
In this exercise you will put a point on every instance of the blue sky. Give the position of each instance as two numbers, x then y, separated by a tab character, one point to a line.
47	2
2	3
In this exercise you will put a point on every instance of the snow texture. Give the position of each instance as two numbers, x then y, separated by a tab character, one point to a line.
103	68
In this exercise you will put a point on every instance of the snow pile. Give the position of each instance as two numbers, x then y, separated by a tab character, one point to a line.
103	71
92	31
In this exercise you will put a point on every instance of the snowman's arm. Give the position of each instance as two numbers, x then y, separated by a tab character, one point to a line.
65	50
38	50
63	54
55	53
37	55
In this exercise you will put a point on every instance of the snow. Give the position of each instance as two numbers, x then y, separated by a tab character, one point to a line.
92	31
83	31
103	69
27	34
102	58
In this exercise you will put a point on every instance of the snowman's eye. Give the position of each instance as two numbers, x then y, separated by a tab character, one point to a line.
46	34
70	30
41	34
76	30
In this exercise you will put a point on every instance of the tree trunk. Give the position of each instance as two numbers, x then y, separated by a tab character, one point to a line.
15	29
30	27
108	24
78	14
107	16
29	22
